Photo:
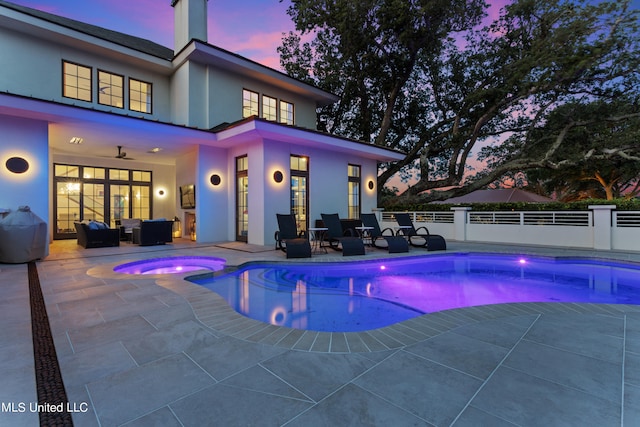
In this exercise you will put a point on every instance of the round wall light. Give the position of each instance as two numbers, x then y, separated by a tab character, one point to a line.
160	192
215	179
277	176
17	165
370	184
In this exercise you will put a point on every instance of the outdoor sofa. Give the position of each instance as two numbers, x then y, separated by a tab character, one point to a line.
94	234
153	232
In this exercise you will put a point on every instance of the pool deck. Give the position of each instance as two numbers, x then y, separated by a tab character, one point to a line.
151	351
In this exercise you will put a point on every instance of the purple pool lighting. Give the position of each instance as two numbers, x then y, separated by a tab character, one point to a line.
171	265
349	297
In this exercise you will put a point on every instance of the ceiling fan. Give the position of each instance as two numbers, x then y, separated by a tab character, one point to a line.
122	155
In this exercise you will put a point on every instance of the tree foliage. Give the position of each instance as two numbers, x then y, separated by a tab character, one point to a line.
423	77
597	158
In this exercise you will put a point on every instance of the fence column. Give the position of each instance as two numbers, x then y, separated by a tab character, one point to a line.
602	226
460	223
378	213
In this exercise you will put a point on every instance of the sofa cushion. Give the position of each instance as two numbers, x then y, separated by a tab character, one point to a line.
97	225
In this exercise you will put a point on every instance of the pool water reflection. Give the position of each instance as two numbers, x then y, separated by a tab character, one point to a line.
357	296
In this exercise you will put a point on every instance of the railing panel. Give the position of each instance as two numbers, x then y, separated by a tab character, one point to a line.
581	219
598	228
440	217
627	219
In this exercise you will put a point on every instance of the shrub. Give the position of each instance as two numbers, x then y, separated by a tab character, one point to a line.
582	205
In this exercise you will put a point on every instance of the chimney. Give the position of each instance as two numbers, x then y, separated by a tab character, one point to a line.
189	21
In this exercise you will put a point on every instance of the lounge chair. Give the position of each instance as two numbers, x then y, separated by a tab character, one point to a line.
294	244
393	243
419	237
349	244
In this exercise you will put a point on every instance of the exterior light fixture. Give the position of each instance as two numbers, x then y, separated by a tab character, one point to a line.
215	179
155	150
277	176
17	165
76	140
160	192
370	184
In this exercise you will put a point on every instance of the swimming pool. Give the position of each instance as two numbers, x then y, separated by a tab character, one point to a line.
350	297
171	265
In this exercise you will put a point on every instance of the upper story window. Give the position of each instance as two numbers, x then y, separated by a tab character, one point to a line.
110	89
76	81
139	96
249	103
286	112
269	108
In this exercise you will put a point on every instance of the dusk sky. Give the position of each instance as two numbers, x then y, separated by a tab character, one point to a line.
251	28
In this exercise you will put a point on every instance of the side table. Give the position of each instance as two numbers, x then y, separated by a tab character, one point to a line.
316	236
365	234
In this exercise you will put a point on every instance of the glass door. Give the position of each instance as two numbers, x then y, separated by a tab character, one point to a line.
98	194
299	201
93	202
300	190
242	199
141	201
67	209
119	203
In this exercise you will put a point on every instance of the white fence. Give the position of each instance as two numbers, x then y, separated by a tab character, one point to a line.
601	227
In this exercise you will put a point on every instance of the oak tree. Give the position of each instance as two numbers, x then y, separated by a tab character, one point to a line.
430	78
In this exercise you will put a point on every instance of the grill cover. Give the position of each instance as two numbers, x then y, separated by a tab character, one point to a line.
23	237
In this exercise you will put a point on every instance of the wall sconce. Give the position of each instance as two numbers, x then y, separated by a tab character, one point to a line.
370	184
215	179
17	165
277	176
160	192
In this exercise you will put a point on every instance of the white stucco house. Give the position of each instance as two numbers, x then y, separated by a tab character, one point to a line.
74	98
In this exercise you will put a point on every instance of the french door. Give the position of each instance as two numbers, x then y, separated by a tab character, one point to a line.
242	199
98	194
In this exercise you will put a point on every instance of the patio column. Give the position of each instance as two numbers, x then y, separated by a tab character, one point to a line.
602	226
460	223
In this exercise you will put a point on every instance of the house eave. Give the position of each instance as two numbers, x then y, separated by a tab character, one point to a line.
206	53
268	130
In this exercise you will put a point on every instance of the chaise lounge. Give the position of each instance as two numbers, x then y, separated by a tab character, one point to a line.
420	237
349	245
391	242
295	244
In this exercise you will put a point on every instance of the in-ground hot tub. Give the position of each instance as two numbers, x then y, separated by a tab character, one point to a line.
171	265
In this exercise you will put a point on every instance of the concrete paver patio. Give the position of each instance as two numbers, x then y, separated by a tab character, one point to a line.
149	351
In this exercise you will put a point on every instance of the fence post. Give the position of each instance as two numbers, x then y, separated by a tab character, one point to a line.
378	213
602	226
460	223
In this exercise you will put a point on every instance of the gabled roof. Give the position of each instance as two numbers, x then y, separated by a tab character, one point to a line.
131	42
223	57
